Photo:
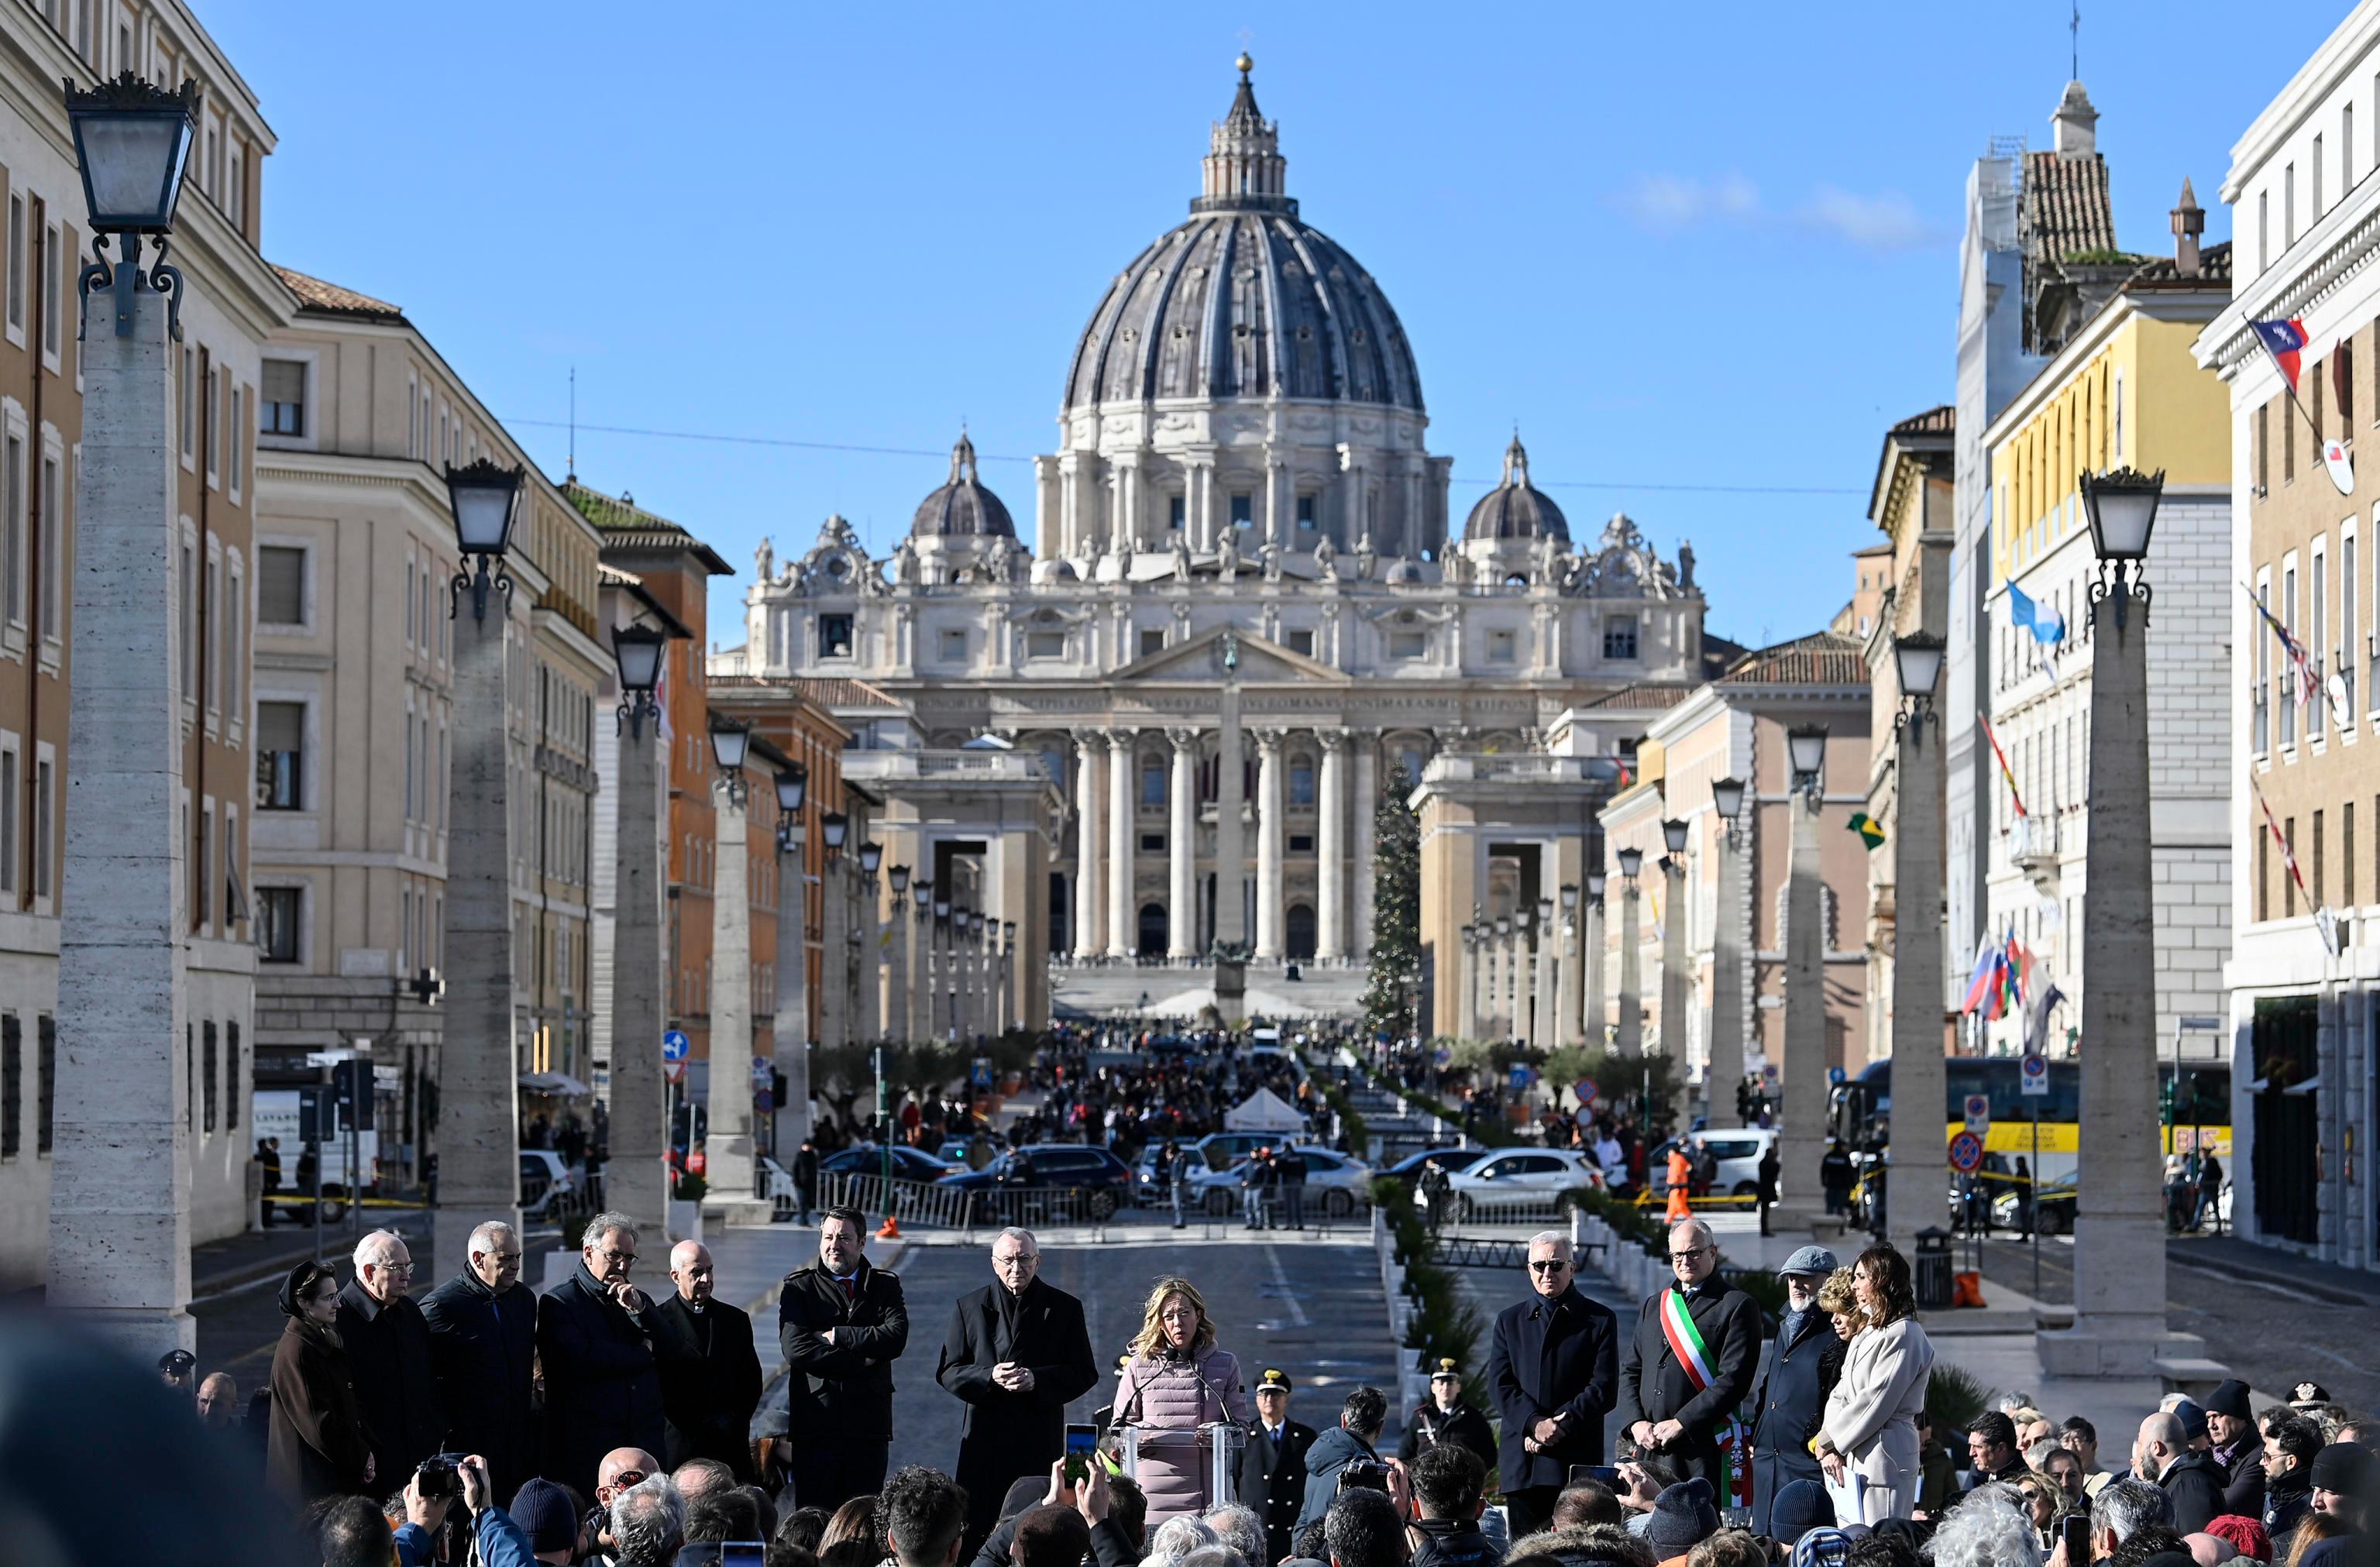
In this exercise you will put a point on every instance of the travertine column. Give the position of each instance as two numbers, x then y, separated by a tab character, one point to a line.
1123	909
1089	847
1630	1042
1568	1026
1676	979
1330	851
119	1230
1231	854
1268	845
1801	1136
871	963
921	968
789	1032
1920	1076
728	1091
898	984
1543	1031
1466	1004
835	954
1367	747
1727	1023
634	1178
1182	846
1592	958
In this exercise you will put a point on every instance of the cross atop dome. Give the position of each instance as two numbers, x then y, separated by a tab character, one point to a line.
1244	166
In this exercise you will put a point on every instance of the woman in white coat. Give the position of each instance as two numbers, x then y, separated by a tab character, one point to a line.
1870	1428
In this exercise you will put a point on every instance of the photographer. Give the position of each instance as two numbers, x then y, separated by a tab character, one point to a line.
1449	1488
433	1490
1360	1419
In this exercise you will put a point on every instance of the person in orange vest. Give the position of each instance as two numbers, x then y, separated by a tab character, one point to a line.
1680	1175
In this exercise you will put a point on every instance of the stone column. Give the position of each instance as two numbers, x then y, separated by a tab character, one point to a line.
1088	848
634	1182
1920	1077
119	1219
1467	981
728	1093
1630	1040
1571	1027
1727	1025
789	1036
1231	855
922	978
1273	521
1330	851
899	982
871	964
1516	982
1268	845
1543	1030
2120	1246
1367	747
1591	965
1182	846
1123	909
1801	1137
1676	982
834	956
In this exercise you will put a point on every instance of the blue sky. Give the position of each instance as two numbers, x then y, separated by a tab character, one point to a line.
1680	247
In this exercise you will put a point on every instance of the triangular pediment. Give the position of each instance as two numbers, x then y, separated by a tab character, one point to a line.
1200	660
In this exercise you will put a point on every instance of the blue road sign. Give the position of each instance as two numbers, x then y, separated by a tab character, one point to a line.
1966	1153
674	1046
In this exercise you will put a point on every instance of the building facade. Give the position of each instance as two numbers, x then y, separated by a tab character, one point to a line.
2304	954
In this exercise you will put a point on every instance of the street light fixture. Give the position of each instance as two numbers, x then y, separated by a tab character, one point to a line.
1917	659
1674	833
1727	798
132	141
1631	860
636	654
1568	896
731	739
1545	913
832	828
486	502
941	908
1595	881
900	880
1806	745
793	788
1503	927
2122	506
871	854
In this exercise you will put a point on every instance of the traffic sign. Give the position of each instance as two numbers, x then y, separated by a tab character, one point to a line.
2032	1076
675	1045
1966	1153
764	1072
1979	1114
1834	1073
673	1071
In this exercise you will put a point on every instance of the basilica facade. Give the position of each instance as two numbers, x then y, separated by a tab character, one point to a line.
1247	607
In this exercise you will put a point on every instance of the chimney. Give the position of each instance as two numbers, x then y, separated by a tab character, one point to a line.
2073	126
2189	223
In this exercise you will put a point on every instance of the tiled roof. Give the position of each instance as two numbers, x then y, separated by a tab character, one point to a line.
313	294
2213	268
1943	421
627	525
2067	211
826	691
1642	698
1824	657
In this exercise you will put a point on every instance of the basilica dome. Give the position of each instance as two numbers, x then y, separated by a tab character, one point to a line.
1516	509
1245	299
962	508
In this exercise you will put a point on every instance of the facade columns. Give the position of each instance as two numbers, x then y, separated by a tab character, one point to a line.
1182	846
1367	747
635	1180
1630	1040
1087	847
1231	855
1268	845
727	1093
1122	909
1330	851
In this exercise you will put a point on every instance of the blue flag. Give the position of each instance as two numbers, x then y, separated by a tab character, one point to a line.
2046	624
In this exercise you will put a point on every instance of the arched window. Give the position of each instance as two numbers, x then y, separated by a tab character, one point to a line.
1154	930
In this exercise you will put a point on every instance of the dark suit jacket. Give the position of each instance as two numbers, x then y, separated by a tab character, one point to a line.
1007	1435
388	1352
840	1391
602	1389
1552	1357
2194	1481
2243	1487
483	1349
1273	1479
1654	1386
711	1381
1427	1427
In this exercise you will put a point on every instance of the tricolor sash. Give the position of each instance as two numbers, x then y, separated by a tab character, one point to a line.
1686	1344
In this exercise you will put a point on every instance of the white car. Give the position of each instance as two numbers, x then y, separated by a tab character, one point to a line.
1738	1150
1335	1185
1514	1178
549	1187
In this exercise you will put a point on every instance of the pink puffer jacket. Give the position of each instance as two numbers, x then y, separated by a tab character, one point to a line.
1178	1397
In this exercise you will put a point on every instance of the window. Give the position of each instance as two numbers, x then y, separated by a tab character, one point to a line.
1045	644
1305	513
2288	883
2263	229
2317	213
51	306
1152	781
234	635
8	828
1502	648
954	646
2342	379
2116	416
280	585
237	209
2290	623
283	403
1152	843
235	437
15	265
2289	449
208	1043
53	542
277	910
45	1080
1407	644
42	829
1152	640
1177	512
2347	853
1243	510
188	587
835	637
12	1085
2320	646
2288	205
233	1076
186	400
1620	637
12	532
1301	782
1301	843
279	755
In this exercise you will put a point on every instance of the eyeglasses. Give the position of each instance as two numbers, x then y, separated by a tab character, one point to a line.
1549	1265
394	1267
1688	1255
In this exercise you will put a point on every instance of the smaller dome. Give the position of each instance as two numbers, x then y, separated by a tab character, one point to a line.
1058	570
1404	571
962	508
1515	509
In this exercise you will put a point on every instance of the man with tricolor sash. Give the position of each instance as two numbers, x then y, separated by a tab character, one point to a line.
1689	1367
1550	1368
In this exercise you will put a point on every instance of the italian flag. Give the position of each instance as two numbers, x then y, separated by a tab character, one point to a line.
1686	1344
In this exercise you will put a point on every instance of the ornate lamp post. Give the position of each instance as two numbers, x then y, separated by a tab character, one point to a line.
834	966
1725	1073
1567	1025
1677	976
635	1177
1466	1019
921	979
1631	1039
1521	921
1801	1138
790	1036
872	947
1542	1029
1502	1020
946	1016
132	141
1598	1035
486	500
1008	1008
1919	1076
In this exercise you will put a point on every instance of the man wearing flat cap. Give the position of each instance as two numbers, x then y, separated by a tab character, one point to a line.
1804	1360
1443	1418
1272	1466
2236	1447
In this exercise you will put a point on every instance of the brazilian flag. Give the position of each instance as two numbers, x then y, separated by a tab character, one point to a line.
1871	830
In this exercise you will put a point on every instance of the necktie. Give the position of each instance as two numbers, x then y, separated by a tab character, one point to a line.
850	1291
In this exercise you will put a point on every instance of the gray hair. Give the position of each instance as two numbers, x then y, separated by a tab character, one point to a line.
485	1236
1985	1532
2123	1508
1698	1228
1177	1537
1240	1528
375	1247
2010	1402
1216	1556
1017	1233
649	1520
1557	1239
601	1229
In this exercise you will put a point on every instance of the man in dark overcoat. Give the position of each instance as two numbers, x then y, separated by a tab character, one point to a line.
1665	1407
710	1374
388	1355
1272	1466
1016	1354
1804	1360
482	1327
842	1324
595	1342
1551	1369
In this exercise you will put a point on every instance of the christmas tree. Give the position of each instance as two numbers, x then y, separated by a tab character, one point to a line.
1390	998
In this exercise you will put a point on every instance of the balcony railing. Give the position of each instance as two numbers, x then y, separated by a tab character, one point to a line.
2032	841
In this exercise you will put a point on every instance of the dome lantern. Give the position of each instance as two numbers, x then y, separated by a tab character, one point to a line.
1516	509
962	508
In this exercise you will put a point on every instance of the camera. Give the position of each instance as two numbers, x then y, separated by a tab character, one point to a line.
1365	1476
437	1478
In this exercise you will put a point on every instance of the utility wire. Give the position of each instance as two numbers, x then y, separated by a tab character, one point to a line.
1003	458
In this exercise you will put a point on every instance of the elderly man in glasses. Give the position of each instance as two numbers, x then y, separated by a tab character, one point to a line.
1551	1369
1689	1366
388	1353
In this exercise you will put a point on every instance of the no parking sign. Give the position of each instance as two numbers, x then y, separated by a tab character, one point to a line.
1966	1153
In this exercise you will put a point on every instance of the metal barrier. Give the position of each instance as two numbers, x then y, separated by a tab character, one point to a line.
916	1203
1461	1251
1461	1209
937	1205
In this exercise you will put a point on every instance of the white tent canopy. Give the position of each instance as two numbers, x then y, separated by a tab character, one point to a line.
1263	1110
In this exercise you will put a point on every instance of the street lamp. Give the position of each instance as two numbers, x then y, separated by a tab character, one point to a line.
2122	506
1631	861
832	827
486	500
793	788
1727	798
1569	897
1725	1034
1595	881
132	141
900	880
1673	834
1917	659
730	739
636	654
871	854
1805	745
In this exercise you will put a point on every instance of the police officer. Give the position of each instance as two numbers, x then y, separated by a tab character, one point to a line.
1443	1417
1272	1466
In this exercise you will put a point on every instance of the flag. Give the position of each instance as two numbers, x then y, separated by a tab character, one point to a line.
2004	771
1871	830
2036	1021
2283	340
1983	985
2016	976
2293	652
2046	624
2324	922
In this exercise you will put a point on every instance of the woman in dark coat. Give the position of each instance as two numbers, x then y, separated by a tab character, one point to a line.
316	1446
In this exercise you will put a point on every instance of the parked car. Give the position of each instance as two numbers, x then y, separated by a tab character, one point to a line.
1738	1150
1510	1178
549	1187
1408	1169
1050	1167
1335	1182
867	1159
1223	1149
